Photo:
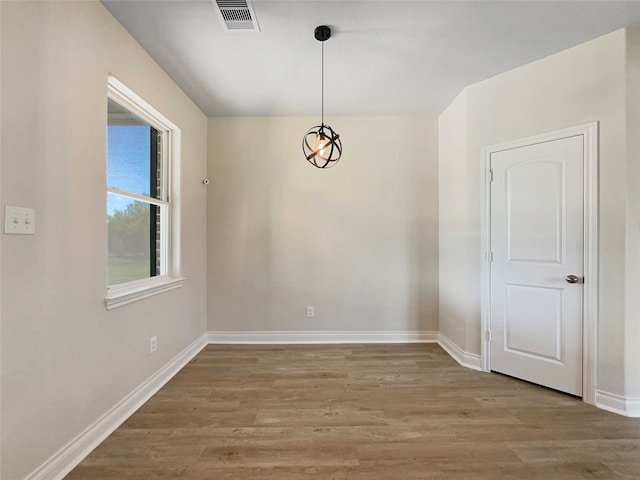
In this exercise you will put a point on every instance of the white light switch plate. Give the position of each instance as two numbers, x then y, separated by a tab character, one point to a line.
19	220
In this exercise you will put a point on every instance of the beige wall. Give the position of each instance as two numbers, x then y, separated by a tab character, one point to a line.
454	254
580	85
66	360
632	260
358	241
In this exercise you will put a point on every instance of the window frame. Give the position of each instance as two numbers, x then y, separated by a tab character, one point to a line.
169	277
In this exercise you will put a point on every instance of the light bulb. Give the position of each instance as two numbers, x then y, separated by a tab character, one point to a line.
320	144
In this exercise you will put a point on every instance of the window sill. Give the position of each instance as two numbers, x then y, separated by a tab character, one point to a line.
126	294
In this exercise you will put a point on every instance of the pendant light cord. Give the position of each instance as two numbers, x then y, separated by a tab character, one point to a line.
322	86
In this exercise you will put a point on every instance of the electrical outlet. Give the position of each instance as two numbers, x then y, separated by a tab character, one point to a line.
311	312
153	344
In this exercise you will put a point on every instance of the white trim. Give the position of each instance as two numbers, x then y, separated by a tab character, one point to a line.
136	197
485	257
289	337
69	456
627	406
591	249
589	132
173	144
466	359
170	278
127	293
133	102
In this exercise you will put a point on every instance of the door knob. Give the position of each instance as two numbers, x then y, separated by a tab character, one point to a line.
574	279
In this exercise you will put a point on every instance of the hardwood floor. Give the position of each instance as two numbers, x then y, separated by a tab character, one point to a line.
356	412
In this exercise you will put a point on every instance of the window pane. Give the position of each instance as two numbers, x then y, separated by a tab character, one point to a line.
132	153
133	239
129	160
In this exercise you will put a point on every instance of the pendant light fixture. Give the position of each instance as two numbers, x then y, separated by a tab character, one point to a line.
321	145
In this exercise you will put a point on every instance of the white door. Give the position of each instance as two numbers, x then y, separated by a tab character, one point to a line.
536	230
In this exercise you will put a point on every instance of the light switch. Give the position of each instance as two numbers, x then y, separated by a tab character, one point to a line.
19	220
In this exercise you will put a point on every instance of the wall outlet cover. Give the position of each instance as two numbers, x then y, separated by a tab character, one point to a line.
19	220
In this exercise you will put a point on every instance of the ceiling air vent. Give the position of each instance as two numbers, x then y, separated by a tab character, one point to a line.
237	15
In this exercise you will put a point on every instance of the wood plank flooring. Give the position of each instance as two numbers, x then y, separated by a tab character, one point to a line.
375	412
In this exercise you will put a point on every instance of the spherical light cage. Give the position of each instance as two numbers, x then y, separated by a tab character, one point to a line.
322	146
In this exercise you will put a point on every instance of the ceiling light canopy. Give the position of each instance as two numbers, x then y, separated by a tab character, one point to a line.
321	145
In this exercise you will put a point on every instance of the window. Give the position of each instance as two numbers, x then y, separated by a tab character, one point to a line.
141	156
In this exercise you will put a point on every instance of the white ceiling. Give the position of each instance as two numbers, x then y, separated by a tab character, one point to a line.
384	57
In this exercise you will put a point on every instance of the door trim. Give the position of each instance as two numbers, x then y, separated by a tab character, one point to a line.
589	133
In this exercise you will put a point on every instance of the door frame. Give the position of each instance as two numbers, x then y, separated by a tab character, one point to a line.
589	132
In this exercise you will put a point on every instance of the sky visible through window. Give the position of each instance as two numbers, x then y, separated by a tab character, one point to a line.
128	163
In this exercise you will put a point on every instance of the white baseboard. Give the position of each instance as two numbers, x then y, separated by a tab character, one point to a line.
69	456
288	337
627	406
466	359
